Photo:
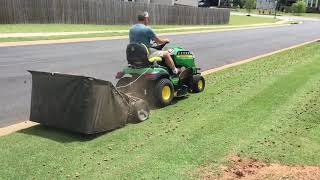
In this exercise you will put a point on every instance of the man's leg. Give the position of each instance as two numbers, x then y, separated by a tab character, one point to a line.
169	61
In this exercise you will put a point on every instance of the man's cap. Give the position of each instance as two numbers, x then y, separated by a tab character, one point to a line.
142	15
146	14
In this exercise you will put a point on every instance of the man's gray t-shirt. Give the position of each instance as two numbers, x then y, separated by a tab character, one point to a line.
139	33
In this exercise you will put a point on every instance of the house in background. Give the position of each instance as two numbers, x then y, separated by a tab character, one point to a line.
265	5
312	5
186	2
169	2
215	3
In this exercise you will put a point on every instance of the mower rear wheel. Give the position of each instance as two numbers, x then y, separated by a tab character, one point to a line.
198	84
163	92
123	84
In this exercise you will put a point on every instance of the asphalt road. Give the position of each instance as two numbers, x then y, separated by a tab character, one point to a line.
102	59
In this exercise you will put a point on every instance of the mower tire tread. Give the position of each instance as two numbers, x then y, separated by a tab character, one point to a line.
197	84
158	92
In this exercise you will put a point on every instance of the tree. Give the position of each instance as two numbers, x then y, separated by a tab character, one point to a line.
249	5
238	3
299	7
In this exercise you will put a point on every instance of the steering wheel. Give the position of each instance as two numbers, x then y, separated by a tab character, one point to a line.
159	47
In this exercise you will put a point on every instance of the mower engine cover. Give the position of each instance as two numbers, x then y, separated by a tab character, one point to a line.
82	104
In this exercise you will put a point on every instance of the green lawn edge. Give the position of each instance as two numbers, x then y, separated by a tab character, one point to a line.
279	13
113	34
27	28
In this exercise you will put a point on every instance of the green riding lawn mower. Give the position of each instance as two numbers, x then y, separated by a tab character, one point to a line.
151	79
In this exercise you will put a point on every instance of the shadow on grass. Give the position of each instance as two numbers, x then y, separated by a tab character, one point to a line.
64	136
59	135
177	99
174	101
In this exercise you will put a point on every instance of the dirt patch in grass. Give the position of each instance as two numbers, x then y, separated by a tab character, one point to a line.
252	169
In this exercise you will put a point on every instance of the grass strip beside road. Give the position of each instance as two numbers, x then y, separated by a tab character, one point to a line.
46	28
240	21
279	13
34	28
114	34
266	109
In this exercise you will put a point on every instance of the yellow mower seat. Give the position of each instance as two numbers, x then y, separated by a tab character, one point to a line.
152	59
155	59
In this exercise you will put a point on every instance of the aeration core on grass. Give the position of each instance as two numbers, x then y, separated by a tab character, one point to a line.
266	109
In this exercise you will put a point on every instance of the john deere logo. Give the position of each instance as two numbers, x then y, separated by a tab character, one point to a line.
132	49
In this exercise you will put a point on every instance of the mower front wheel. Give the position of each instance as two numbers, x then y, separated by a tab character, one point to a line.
163	92
198	83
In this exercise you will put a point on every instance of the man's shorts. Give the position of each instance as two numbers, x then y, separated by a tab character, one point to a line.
156	53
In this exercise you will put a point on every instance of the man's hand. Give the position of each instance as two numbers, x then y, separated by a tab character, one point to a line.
161	41
166	40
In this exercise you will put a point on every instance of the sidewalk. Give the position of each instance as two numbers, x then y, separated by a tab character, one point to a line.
46	34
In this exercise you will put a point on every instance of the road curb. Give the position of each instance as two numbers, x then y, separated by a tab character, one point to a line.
255	58
16	127
76	40
190	28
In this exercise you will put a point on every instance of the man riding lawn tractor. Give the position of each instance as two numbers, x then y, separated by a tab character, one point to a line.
157	73
141	34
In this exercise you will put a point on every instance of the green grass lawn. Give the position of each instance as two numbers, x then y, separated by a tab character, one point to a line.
254	11
314	15
266	109
23	28
246	20
26	28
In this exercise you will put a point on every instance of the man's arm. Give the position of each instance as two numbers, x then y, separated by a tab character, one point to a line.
155	38
160	40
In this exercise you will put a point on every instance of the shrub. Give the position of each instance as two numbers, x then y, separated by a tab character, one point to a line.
299	7
249	5
238	3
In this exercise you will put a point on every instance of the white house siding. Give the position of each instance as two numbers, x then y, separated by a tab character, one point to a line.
167	2
142	1
265	4
187	2
177	2
312	3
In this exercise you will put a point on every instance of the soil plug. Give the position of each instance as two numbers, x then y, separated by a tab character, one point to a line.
77	174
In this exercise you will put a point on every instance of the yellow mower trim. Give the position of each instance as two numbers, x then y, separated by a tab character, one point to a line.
166	93
184	56
200	85
153	59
